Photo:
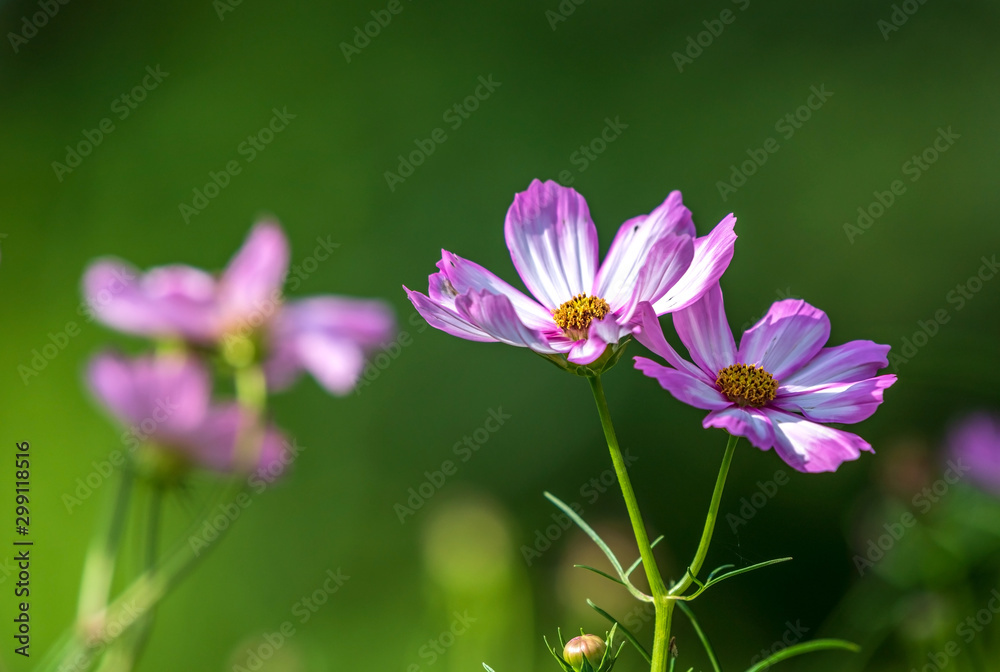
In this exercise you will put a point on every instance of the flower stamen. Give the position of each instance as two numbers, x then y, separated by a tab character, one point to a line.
747	385
574	316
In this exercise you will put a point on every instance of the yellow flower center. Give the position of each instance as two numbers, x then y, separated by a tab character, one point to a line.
747	385
575	315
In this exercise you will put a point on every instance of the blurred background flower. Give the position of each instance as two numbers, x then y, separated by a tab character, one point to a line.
165	401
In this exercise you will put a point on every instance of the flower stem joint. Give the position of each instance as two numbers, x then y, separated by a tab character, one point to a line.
587	653
602	364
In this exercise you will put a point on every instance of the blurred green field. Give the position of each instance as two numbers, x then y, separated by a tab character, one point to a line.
556	88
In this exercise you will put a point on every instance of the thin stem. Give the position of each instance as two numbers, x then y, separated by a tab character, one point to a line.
126	652
99	565
146	590
144	629
251	392
98	570
251	387
663	606
713	514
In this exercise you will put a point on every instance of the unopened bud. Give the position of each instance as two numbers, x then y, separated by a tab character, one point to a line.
589	647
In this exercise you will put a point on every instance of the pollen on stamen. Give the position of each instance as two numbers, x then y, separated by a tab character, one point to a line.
574	316
747	385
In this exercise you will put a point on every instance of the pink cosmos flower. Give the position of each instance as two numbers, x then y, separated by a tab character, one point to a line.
779	385
326	336
579	307
974	442
166	402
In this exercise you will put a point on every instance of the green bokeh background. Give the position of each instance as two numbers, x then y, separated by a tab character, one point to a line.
323	176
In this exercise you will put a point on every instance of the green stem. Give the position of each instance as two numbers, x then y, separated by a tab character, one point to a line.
98	570
662	605
99	565
125	653
713	515
138	645
251	387
145	592
251	392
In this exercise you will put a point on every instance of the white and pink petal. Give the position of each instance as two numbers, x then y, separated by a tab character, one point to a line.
631	247
552	242
600	334
650	334
786	338
495	315
752	423
811	447
447	319
847	363
465	276
692	390
704	331
837	402
666	263
712	255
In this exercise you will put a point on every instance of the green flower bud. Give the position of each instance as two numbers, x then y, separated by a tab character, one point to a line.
589	647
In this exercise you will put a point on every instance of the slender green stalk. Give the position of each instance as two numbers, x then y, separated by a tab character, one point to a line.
251	392
663	606
713	514
251	387
99	565
143	594
123	656
98	570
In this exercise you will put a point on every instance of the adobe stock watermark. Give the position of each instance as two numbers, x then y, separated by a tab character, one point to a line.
454	116
37	21
923	501
102	633
757	501
41	358
696	44
563	11
437	646
960	296
254	657
966	632
223	7
900	14
390	352
227	513
60	340
381	18
588	153
133	437
793	634
122	107
591	492
787	125
464	450
914	168
249	149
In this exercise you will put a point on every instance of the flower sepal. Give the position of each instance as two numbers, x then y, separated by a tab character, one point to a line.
586	653
160	465
602	364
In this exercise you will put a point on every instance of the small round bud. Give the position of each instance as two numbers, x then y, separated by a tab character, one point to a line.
590	647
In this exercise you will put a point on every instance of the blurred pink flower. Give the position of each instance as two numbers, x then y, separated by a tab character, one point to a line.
974	442
326	336
166	402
